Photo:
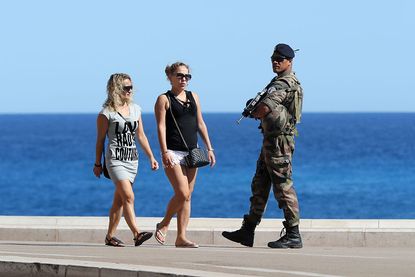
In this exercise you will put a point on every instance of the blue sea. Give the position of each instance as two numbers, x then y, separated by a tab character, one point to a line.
346	165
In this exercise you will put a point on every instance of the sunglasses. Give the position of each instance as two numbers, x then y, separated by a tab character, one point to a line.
181	76
277	58
127	88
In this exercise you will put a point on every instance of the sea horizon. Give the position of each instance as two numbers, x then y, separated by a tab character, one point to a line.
210	112
346	165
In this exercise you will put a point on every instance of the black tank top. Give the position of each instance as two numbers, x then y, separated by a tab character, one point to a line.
186	117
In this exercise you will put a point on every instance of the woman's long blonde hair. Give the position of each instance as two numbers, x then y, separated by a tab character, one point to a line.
115	90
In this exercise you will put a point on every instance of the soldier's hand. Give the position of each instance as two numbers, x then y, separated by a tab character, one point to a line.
261	111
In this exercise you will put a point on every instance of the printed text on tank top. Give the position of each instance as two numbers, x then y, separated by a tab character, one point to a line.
126	149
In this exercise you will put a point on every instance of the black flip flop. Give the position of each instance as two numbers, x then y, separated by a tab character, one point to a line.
142	237
114	242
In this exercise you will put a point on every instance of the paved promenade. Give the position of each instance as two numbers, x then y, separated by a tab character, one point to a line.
73	246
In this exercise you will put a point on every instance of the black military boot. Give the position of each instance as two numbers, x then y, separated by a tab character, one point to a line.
291	239
245	235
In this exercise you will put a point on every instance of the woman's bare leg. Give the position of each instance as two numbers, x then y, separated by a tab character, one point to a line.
125	190
183	215
115	214
179	182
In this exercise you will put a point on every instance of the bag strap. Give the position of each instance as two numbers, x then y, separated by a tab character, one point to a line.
126	122
175	122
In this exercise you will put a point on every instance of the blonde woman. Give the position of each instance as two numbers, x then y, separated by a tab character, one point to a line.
186	109
120	120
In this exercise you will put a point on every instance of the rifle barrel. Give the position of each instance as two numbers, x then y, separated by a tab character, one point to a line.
239	121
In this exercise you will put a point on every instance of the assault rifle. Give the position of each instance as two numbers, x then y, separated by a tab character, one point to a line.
252	104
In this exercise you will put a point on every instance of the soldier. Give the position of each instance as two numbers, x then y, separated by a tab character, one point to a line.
279	113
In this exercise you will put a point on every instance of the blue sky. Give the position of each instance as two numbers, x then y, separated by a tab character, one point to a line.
56	56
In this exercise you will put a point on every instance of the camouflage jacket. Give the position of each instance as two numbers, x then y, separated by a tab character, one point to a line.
284	98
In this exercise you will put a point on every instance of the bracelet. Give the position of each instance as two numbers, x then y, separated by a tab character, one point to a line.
164	153
211	150
98	165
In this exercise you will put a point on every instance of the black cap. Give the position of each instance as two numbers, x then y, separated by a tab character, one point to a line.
284	50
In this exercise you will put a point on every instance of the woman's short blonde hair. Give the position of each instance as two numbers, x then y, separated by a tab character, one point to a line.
115	90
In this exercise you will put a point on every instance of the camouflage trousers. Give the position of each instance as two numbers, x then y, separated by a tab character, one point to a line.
274	167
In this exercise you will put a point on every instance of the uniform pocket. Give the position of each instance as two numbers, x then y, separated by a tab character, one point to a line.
281	166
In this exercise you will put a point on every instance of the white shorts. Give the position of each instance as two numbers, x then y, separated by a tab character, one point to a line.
177	157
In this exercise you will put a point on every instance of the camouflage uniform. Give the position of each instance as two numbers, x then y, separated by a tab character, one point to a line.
274	165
